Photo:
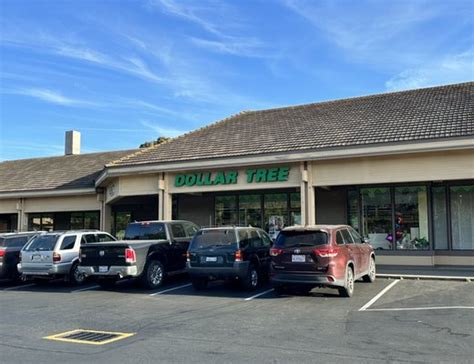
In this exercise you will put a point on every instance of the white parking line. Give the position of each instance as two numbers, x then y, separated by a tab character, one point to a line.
86	289
171	289
422	308
259	294
380	294
18	287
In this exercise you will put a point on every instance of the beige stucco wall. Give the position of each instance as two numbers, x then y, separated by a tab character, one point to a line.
449	165
137	185
450	260
404	260
294	180
63	203
8	206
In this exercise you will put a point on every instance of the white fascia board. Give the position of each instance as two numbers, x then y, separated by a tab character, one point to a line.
290	157
50	193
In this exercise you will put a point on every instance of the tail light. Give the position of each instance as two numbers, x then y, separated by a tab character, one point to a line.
2	252
188	257
56	257
274	252
238	256
326	252
130	256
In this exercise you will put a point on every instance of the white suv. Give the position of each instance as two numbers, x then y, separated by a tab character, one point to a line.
56	254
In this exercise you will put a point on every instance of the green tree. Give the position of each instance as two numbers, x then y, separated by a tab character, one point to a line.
160	140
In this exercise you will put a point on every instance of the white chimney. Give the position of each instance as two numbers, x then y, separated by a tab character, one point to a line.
73	142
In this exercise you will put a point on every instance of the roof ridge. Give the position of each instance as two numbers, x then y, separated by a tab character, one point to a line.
143	150
352	98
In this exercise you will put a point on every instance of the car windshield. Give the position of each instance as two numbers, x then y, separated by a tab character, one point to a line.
42	243
291	238
145	231
214	238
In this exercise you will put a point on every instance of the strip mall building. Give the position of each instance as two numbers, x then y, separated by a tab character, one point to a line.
399	167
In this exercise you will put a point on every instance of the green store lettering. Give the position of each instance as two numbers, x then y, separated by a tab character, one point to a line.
257	175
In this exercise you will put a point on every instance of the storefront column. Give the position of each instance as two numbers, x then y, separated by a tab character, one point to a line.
165	204
308	206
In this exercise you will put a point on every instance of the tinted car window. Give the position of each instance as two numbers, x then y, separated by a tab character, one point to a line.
90	238
191	229
355	236
255	241
214	238
68	242
267	242
339	238
244	238
178	231
16	242
347	236
43	243
145	231
291	238
104	237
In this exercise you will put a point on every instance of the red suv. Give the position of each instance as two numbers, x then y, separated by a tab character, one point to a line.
321	256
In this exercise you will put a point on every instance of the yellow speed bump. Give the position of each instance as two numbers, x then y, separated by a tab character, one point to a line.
90	337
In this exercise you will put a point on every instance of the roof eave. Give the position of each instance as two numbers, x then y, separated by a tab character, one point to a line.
47	193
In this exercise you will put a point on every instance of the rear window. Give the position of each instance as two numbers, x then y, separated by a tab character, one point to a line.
14	241
214	238
288	239
42	243
145	231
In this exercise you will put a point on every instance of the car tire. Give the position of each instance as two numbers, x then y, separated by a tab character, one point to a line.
107	283
348	289
252	280
370	277
199	283
75	277
153	275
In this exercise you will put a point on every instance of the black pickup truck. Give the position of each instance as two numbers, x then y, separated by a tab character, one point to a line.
149	251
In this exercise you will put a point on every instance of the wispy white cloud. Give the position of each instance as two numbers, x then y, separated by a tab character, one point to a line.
53	97
162	131
450	69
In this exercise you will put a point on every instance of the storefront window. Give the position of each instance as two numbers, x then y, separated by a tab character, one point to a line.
77	220
377	216
64	221
295	208
250	210
353	208
121	221
47	222
440	226
276	212
226	210
411	218
91	220
462	217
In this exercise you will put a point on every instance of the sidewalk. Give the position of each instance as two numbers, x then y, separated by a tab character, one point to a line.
413	272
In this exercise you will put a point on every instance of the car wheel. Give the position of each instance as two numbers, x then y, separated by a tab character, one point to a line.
252	280
348	289
199	283
76	277
370	277
107	283
153	274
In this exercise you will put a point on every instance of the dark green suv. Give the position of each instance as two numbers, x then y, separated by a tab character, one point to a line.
229	253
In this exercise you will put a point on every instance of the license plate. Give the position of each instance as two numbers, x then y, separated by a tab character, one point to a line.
103	269
36	258
211	259
298	258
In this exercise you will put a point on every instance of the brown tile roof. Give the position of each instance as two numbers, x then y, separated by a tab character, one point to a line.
55	173
415	115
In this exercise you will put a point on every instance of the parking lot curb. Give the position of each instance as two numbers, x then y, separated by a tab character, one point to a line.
427	277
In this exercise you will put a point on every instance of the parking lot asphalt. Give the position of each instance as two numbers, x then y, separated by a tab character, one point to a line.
412	321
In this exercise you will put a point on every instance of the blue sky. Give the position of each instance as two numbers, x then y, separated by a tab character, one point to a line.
125	72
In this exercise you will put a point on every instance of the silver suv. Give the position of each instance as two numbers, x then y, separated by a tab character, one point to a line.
56	254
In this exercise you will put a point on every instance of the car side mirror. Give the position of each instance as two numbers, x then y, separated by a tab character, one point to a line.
365	240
